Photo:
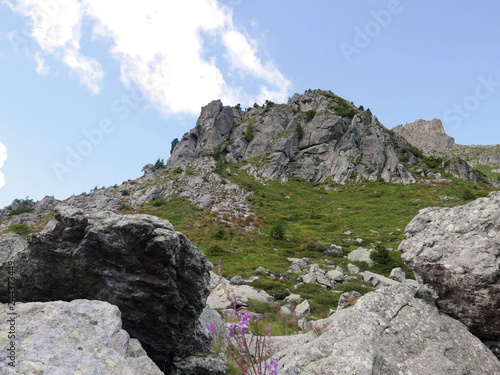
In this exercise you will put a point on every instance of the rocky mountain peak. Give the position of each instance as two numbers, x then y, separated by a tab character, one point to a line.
315	136
426	135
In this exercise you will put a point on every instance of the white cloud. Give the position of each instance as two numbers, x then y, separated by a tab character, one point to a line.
3	158
176	51
41	68
56	27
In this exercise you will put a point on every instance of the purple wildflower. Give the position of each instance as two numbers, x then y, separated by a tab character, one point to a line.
232	328
244	322
272	367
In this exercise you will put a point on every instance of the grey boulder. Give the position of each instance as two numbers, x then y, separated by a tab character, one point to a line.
455	252
77	337
155	276
386	332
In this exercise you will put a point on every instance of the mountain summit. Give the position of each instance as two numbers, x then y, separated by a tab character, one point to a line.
316	136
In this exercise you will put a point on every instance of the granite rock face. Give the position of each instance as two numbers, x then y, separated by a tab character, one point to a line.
459	168
426	135
77	337
156	277
386	332
332	145
455	252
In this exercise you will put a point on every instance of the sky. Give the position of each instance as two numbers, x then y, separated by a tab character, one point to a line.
93	90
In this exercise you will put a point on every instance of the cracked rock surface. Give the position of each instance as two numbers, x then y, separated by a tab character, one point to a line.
455	252
386	332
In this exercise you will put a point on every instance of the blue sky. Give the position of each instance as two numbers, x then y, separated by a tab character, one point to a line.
93	90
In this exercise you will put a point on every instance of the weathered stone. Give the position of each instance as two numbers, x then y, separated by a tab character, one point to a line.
197	365
397	274
303	309
386	332
236	280
426	135
351	268
333	250
348	299
459	168
335	276
309	278
360	255
378	281
157	278
455	252
77	337
11	244
293	299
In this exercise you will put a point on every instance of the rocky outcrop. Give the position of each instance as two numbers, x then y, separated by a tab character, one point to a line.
459	168
455	252
157	278
386	332
77	337
337	140
426	135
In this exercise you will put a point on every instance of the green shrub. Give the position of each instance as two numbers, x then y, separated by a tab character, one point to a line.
178	170
433	162
277	230
299	132
404	158
218	233
159	202
317	247
160	163
310	115
468	195
125	192
214	250
174	143
24	206
249	133
279	293
21	229
415	151
383	261
218	152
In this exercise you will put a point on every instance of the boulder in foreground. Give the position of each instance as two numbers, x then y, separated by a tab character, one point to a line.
455	252
78	337
156	277
386	332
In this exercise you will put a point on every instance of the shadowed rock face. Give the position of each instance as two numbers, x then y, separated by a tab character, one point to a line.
342	148
157	278
456	253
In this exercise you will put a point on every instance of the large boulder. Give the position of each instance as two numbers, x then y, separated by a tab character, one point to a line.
158	279
455	252
386	332
77	337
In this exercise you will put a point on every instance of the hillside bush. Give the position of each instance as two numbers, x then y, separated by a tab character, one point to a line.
310	115
21	229
277	230
24	206
249	133
468	195
299	132
383	261
174	143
